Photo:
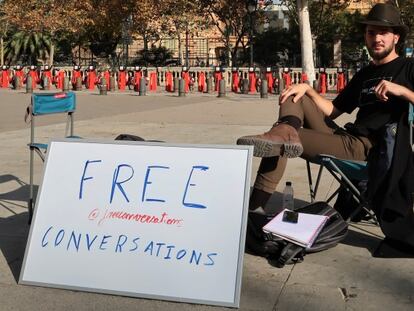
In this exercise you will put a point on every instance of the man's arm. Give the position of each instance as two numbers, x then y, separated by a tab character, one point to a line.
385	88
299	90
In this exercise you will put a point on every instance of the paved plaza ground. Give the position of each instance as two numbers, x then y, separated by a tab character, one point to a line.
357	274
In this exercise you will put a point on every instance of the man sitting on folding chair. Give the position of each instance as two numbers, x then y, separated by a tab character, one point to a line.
382	91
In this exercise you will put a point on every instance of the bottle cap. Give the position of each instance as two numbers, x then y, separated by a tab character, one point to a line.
288	183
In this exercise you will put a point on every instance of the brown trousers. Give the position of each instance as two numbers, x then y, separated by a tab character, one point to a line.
318	135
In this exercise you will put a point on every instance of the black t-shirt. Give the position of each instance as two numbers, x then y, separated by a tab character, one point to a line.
359	93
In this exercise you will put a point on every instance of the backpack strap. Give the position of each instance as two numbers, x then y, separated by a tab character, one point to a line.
258	242
291	253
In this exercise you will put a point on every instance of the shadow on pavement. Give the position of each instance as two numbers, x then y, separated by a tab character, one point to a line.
14	232
14	229
21	193
361	239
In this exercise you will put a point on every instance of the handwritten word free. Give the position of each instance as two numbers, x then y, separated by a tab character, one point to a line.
124	175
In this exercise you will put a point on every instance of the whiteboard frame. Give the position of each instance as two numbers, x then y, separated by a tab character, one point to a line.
237	289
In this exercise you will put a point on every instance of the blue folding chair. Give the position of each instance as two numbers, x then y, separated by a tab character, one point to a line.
41	105
347	173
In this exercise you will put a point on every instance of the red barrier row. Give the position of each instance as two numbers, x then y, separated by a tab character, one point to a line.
90	78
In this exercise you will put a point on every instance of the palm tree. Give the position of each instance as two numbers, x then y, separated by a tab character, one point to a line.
4	26
27	47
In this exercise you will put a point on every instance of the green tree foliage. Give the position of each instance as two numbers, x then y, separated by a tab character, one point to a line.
352	37
155	56
4	29
234	23
181	17
272	47
50	18
407	15
230	19
407	12
27	47
330	22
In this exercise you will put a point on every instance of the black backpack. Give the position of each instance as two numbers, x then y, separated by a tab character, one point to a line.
129	137
280	252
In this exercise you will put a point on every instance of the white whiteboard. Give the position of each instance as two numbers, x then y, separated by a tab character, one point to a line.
141	219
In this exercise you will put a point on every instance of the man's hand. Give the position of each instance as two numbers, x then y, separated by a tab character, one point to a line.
299	90
296	90
386	88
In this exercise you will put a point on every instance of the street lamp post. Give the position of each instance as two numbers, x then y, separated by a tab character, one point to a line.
251	8
126	36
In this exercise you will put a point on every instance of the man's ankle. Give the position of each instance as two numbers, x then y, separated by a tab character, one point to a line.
293	121
258	199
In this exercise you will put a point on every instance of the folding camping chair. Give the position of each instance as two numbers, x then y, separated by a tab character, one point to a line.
46	104
347	172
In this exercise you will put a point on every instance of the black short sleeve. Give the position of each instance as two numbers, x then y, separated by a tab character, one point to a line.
348	99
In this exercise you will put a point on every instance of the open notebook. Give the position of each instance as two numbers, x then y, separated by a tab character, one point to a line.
303	233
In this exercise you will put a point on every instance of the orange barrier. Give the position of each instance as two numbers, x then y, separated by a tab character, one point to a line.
217	77
46	74
153	82
235	81
34	75
201	81
186	77
19	74
270	81
5	77
91	78
340	84
252	82
76	73
304	78
137	79
107	75
58	80
322	83
287	79
169	86
122	80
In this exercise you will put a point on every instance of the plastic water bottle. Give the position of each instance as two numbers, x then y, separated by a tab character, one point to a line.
287	199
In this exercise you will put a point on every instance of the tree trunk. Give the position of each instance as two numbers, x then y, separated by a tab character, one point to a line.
306	40
1	51
51	54
337	52
145	43
234	59
79	54
180	56
186	46
228	52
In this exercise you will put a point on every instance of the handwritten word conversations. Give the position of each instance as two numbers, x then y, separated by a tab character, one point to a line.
73	241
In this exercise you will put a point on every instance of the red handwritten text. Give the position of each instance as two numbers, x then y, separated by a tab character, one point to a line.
162	218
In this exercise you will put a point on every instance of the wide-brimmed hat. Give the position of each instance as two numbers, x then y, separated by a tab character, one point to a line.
383	14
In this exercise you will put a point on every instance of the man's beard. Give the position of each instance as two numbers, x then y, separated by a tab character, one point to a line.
381	55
